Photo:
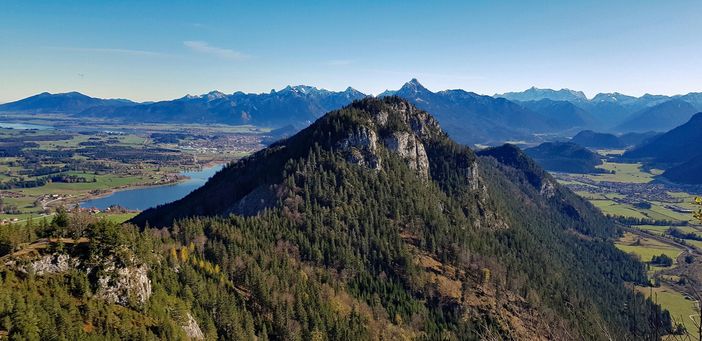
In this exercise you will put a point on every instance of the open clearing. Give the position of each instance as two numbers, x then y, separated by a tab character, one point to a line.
646	248
623	172
679	307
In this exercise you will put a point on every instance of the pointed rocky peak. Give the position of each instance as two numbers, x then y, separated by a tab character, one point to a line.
214	95
414	84
353	92
188	97
301	89
413	87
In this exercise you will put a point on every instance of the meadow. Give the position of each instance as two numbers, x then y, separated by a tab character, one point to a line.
646	248
617	193
43	169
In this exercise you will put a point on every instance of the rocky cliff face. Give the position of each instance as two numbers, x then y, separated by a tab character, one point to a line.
116	283
122	280
361	148
192	328
124	285
411	149
401	129
51	264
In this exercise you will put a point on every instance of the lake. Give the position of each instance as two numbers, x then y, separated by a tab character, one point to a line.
143	198
24	126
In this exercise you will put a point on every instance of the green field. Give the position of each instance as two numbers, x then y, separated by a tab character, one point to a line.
644	248
624	172
140	166
679	307
658	210
606	152
647	247
655	229
614	208
117	217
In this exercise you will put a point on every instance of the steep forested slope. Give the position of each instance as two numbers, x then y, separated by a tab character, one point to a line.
676	145
689	172
369	224
403	219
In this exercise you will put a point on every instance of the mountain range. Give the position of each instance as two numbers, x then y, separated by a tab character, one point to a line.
536	94
472	118
617	112
414	235
296	105
528	116
70	103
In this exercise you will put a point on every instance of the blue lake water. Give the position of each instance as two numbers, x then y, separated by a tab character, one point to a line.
143	198
24	126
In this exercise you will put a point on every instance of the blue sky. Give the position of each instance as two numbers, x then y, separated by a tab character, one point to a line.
151	50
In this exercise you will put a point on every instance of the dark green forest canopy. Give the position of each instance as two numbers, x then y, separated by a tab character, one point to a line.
343	250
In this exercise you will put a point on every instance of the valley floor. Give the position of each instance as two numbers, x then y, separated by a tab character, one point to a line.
65	161
650	209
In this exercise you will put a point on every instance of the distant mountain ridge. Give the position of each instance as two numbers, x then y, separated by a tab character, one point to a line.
70	102
619	112
536	94
472	118
561	114
468	117
293	105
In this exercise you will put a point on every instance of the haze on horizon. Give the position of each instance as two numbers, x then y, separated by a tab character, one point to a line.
164	50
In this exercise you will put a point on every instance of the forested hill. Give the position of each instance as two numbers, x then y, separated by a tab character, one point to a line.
565	157
371	223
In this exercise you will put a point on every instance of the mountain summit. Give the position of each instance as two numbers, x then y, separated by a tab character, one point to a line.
413	87
536	94
391	221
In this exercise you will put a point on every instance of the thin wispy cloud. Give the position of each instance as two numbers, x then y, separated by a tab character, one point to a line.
215	51
115	51
339	62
